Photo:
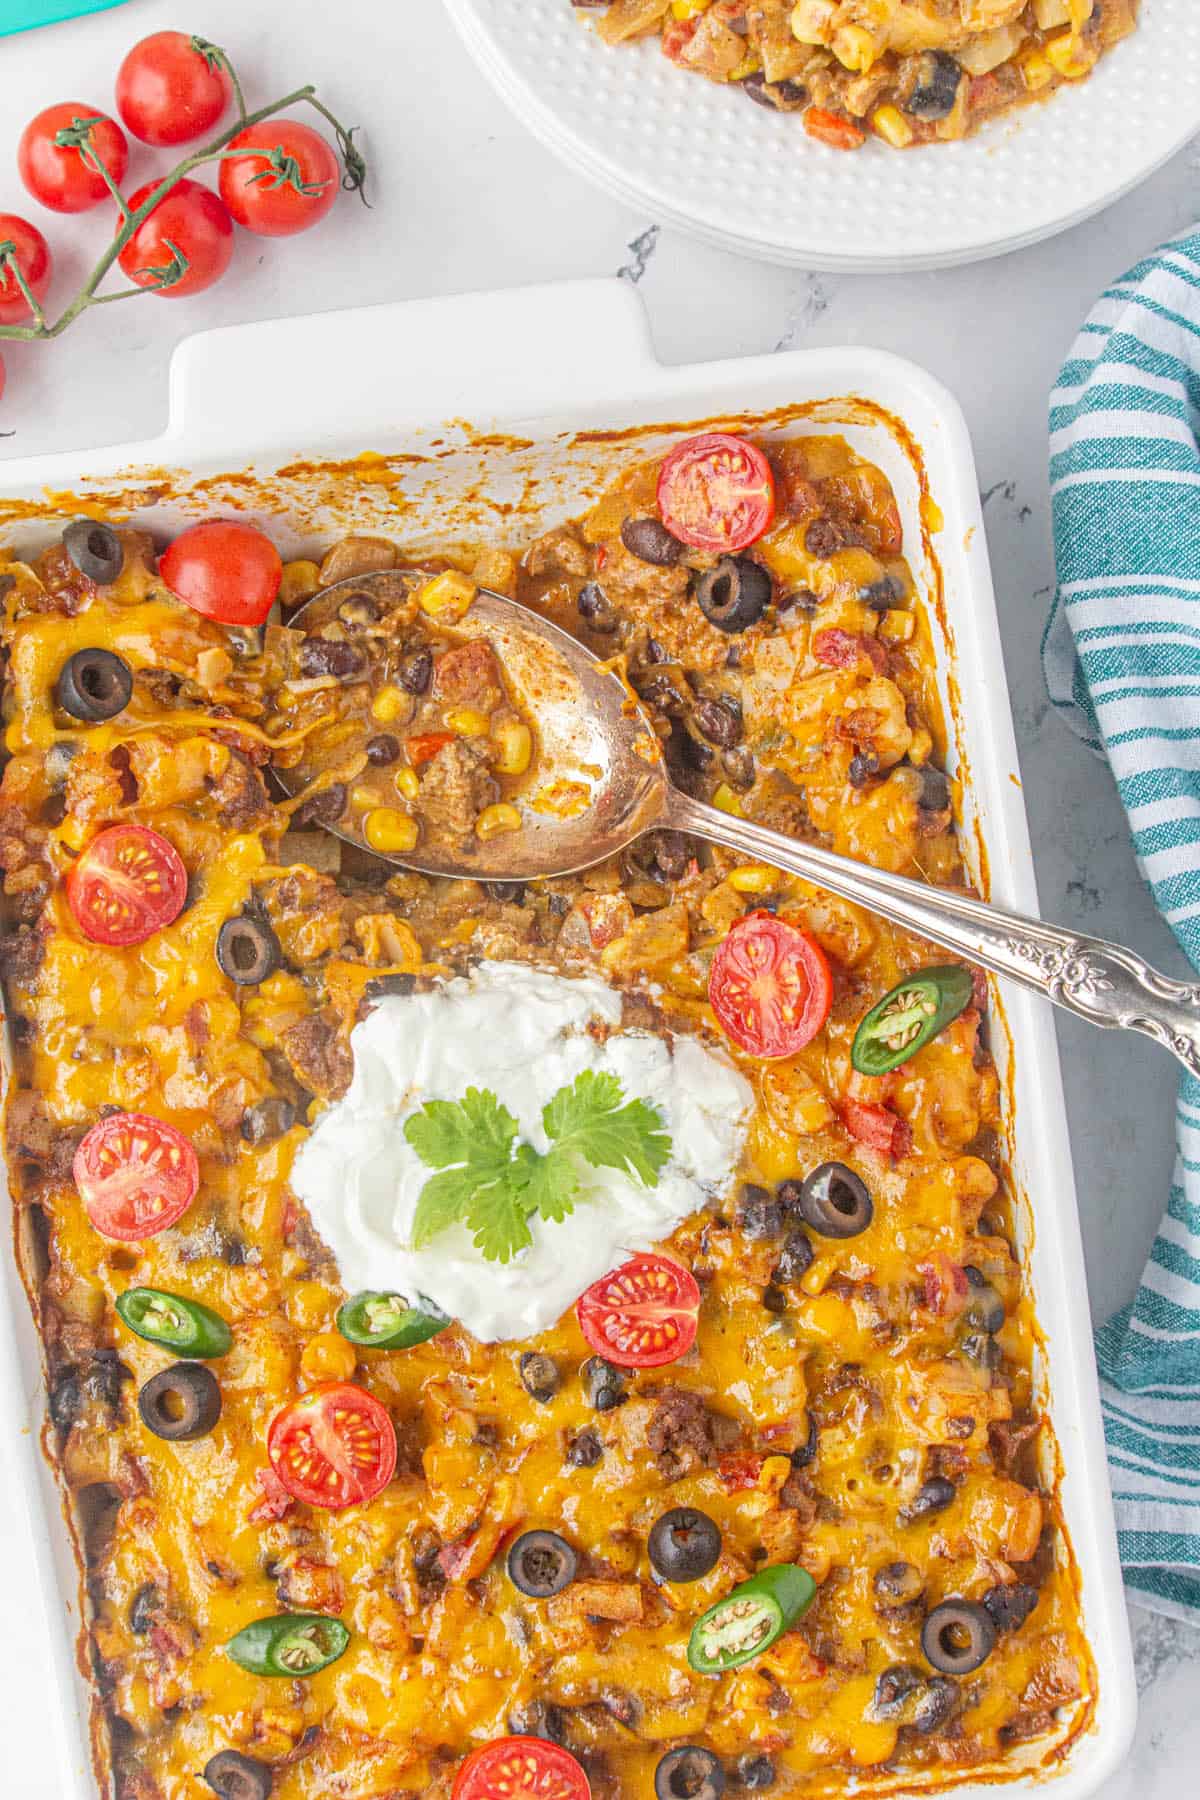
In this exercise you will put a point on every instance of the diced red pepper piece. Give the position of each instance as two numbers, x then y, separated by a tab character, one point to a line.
877	1128
424	746
946	1285
840	649
833	129
739	1471
677	35
275	1498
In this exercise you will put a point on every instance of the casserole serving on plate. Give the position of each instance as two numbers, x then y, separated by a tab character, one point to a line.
308	1534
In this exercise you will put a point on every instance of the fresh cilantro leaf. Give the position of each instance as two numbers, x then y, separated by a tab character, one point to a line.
475	1130
553	1184
589	1120
493	1185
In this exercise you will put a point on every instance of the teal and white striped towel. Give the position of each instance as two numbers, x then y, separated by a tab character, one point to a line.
1122	661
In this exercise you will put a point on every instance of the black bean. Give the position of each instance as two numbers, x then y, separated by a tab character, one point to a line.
881	595
937	1702
935	90
510	893
1010	1606
324	807
104	1378
603	1384
774	1299
672	853
66	1399
415	671
383	750
864	766
539	1719
933	1496
540	1376
776	96
622	1706
689	1773
331	656
267	1120
935	794
596	609
757	1214
739	767
142	1608
806	1452
898	1584
380	986
795	1258
895	1689
584	1448
358	611
803	599
649	540
755	1771
983	1351
985	1309
695	751
720	721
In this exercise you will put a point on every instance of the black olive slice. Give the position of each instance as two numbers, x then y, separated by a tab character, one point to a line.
539	1376
237	1777
835	1201
181	1403
689	1773
247	950
958	1636
95	550
651	542
734	594
684	1544
94	684
541	1563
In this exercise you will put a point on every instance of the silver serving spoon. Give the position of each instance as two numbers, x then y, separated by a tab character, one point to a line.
597	746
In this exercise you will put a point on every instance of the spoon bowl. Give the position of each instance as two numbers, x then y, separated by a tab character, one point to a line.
598	781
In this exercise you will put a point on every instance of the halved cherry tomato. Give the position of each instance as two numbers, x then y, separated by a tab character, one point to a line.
32	254
136	1175
59	156
521	1768
833	129
334	1448
168	91
770	986
285	180
127	885
190	228
224	569
642	1315
423	746
717	492
877	1127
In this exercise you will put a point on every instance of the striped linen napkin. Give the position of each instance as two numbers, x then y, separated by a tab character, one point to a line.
1121	655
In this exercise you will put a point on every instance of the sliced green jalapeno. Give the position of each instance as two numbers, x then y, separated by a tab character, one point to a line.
388	1322
904	1021
294	1644
748	1620
175	1323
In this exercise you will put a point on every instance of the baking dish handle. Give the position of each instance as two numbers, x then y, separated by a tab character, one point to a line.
378	368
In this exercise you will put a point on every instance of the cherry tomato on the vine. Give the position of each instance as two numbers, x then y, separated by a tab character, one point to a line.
190	227
33	257
168	90
224	569
60	152
286	181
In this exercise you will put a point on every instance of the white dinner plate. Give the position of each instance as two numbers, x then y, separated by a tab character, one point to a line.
705	159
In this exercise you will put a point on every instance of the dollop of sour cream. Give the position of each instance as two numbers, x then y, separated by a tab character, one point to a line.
524	1034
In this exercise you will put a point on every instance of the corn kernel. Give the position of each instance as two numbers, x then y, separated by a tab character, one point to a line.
897	626
494	820
388	704
408	782
726	801
689	9
447	597
309	1304
921	748
363	798
390	830
298	581
1037	70
774	1473
514	745
753	878
1071	58
467	721
328	1357
889	123
855	48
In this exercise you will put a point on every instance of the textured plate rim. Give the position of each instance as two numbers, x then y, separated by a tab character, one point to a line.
527	101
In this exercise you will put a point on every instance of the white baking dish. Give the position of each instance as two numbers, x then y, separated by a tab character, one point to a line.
543	375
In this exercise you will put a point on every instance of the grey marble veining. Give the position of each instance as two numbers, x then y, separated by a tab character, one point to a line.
465	199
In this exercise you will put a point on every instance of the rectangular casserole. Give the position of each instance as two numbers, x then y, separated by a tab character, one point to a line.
547	430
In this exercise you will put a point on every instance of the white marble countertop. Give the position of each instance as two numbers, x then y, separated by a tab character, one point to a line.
464	199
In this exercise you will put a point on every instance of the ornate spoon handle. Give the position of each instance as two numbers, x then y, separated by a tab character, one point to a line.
1101	982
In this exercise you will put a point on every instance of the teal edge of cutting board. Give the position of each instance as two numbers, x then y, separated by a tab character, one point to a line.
23	15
